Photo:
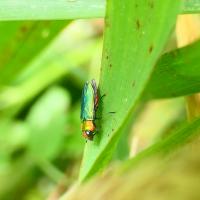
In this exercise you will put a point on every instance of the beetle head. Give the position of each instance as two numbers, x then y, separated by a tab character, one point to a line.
88	134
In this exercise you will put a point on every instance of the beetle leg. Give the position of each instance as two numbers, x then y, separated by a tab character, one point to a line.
111	112
102	96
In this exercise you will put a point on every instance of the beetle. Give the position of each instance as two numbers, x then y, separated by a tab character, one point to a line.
89	105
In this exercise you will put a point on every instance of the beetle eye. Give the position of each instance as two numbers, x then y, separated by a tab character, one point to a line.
89	132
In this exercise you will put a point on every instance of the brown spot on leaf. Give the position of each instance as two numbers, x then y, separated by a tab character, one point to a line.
24	29
113	129
151	4
138	24
150	48
110	65
133	84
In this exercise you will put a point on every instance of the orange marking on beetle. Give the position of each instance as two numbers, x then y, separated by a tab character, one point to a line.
88	125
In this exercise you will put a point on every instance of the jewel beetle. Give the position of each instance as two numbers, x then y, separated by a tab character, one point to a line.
89	105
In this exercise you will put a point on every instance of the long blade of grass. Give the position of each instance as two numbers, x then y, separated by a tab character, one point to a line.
174	141
191	6
42	9
132	44
65	9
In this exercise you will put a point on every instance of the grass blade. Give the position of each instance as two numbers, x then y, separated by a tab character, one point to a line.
129	38
191	6
167	145
46	10
65	9
176	74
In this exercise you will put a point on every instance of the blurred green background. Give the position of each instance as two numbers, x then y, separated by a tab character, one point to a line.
43	66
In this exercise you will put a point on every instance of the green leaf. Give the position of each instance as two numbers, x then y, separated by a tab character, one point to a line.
47	120
191	6
171	143
65	9
20	42
43	9
131	47
176	74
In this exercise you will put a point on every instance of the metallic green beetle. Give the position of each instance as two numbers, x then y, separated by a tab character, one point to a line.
89	105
